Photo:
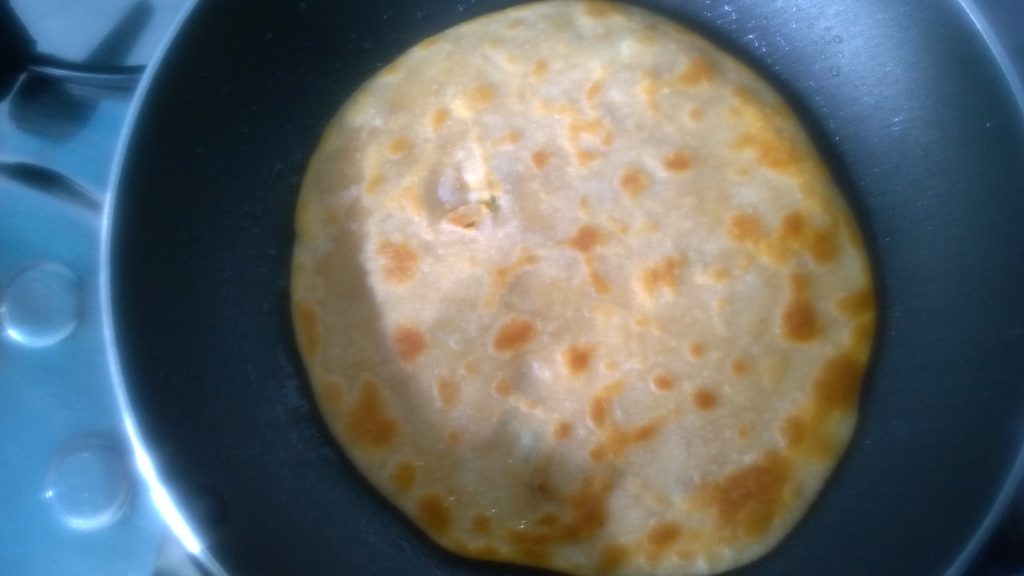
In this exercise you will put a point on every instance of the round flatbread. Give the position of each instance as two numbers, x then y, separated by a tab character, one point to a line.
574	290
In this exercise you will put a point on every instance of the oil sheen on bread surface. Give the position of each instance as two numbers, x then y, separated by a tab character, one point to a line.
574	290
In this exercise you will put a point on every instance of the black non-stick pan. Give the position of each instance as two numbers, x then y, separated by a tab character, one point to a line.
916	119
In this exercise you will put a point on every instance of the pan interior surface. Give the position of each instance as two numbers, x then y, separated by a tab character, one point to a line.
919	126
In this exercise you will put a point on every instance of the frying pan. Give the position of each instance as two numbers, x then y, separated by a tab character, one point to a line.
906	102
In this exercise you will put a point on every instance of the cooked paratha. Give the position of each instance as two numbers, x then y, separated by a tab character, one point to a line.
574	290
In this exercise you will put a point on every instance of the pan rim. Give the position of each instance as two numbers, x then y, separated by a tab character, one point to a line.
1016	476
167	508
